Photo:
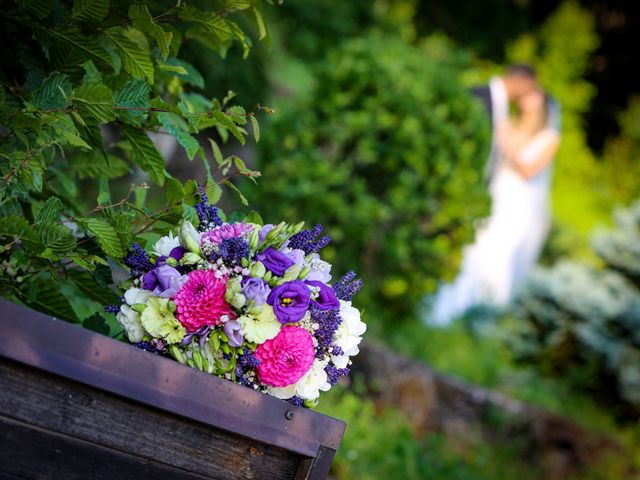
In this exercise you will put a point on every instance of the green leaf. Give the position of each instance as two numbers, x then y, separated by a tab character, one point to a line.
96	99
96	323
144	153
255	127
135	59
235	5
133	95
104	197
208	21
40	8
226	122
49	211
94	165
217	154
242	198
88	47
142	20
56	237
90	10
14	226
190	75
262	29
106	236
175	191
92	74
67	133
88	285
254	217
54	92
189	143
214	192
237	114
50	301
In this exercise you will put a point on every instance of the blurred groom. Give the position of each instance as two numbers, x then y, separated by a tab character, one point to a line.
519	80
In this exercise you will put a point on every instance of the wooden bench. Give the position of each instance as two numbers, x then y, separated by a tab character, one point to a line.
75	404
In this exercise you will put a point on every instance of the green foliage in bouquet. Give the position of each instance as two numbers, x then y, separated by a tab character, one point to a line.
82	84
388	154
585	322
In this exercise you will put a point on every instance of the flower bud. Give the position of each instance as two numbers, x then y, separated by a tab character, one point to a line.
138	307
189	237
257	270
172	262
190	258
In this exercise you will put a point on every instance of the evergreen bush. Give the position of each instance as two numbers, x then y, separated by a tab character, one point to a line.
388	153
584	322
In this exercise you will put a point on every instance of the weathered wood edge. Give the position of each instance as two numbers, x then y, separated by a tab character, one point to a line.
70	351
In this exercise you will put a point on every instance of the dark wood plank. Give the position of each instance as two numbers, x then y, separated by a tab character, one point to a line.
43	454
75	410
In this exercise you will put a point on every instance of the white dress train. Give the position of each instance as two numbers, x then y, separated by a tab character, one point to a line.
508	245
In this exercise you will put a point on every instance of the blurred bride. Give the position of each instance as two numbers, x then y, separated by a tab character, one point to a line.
508	245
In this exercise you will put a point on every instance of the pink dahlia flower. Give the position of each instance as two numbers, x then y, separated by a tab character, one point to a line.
216	235
286	358
201	301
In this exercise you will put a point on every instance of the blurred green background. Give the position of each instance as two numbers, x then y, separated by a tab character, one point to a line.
376	136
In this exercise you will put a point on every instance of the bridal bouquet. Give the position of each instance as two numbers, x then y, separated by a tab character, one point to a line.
250	303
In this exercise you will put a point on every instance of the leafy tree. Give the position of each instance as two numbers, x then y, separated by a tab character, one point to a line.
388	154
82	84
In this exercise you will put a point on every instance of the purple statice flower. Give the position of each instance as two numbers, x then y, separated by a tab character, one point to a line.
233	331
329	321
112	308
149	347
137	260
274	261
334	373
233	250
336	350
247	360
207	214
326	299
290	301
305	240
347	287
255	290
295	400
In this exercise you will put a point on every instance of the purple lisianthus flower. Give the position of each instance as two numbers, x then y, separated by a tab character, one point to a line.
164	281
275	261
290	301
264	231
177	253
296	256
233	331
326	299
255	290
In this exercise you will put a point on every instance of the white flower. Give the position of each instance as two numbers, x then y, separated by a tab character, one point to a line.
314	381
189	237
164	246
349	333
340	361
283	392
130	321
260	324
136	295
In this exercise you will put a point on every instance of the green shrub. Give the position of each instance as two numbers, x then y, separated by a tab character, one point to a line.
81	84
388	154
585	323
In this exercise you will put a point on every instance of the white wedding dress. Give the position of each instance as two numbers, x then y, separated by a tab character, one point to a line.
508	244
